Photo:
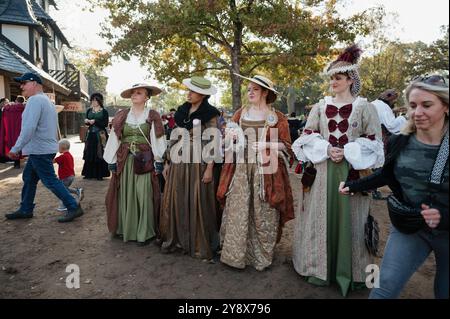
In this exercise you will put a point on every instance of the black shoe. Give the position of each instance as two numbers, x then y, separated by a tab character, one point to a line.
71	215
18	215
143	243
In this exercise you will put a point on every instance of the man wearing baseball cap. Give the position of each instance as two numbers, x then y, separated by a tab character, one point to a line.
38	139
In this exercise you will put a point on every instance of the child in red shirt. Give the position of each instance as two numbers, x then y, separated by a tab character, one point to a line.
66	172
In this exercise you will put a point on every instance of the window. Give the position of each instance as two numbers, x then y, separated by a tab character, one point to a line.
38	58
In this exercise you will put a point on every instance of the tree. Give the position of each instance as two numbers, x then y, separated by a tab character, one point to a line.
396	64
169	99
88	62
176	39
308	93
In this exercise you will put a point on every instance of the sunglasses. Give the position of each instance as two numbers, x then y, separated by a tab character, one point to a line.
438	80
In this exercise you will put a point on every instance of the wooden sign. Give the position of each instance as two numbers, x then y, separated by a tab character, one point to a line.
72	106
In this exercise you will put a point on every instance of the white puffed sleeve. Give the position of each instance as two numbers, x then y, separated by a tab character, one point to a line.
159	145
387	118
311	147
110	153
364	153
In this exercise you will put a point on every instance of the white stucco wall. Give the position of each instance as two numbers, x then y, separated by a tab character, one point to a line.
2	87
51	59
61	65
55	59
18	34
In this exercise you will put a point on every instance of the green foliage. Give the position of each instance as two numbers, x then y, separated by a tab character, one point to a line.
397	63
87	61
309	92
285	39
171	98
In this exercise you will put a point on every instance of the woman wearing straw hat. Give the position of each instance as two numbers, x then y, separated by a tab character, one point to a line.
342	138
257	197
189	210
133	197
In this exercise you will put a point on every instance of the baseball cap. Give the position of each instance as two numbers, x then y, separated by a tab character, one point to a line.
28	77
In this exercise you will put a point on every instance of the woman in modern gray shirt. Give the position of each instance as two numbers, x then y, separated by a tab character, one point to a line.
410	160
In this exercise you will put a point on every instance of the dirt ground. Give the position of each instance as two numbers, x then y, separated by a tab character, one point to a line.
34	254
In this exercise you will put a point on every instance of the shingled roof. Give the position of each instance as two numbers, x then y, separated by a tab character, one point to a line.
17	11
12	62
20	12
41	15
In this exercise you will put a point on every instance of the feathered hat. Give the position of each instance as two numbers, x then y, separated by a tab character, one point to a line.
347	62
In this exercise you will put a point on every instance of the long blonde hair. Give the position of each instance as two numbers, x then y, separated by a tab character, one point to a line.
441	92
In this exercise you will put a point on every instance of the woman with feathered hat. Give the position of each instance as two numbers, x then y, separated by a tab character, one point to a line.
342	139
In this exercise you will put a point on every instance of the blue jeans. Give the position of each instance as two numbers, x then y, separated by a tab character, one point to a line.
40	167
404	254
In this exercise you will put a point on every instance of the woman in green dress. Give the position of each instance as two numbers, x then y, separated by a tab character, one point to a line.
342	138
133	197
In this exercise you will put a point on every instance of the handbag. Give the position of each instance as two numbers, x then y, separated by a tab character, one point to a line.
407	219
143	161
371	235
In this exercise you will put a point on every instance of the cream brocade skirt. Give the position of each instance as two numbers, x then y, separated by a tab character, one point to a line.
249	225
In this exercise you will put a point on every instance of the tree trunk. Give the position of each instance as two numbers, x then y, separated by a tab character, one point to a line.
235	84
236	58
291	100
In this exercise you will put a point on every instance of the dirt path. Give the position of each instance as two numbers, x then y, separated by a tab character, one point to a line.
34	254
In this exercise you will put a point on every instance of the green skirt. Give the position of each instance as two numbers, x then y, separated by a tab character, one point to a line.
135	205
339	233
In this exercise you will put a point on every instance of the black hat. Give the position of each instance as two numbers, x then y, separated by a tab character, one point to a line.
28	77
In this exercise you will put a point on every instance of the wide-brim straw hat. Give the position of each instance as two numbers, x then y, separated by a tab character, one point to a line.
265	83
126	94
200	85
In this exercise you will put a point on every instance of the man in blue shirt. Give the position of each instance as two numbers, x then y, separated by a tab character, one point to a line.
38	140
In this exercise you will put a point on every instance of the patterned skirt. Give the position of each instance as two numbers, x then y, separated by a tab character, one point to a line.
249	225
